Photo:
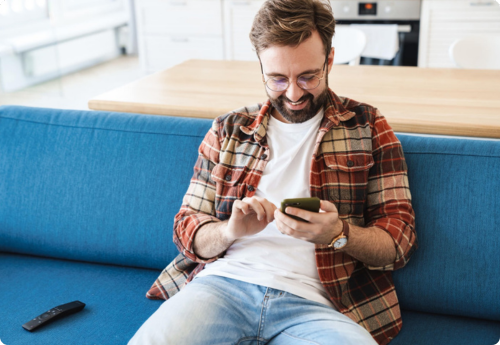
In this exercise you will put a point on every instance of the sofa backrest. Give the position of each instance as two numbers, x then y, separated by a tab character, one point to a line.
455	185
104	187
94	186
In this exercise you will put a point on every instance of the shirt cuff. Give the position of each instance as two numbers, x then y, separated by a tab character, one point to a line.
401	235
186	231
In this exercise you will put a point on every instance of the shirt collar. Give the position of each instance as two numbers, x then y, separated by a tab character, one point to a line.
335	111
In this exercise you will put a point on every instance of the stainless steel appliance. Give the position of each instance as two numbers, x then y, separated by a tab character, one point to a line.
404	13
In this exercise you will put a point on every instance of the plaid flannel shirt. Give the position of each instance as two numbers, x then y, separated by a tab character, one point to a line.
358	164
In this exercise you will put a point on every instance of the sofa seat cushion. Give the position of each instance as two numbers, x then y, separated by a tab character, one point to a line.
426	329
115	300
116	306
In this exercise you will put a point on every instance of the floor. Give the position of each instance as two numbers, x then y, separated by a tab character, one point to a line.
73	91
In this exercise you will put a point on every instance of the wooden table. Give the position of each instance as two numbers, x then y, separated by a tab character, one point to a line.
414	100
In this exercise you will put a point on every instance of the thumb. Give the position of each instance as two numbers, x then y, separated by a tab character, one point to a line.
327	206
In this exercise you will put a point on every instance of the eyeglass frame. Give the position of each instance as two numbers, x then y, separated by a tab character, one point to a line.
288	79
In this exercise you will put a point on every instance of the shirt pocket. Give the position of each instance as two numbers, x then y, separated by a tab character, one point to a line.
229	187
346	181
349	163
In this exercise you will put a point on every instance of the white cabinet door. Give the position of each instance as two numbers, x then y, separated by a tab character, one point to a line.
180	17
165	52
444	21
238	17
172	31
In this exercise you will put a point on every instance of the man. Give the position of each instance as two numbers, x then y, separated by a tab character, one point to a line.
257	276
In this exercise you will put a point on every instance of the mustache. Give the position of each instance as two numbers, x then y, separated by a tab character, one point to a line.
303	98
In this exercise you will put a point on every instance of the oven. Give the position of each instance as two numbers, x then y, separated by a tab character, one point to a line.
403	13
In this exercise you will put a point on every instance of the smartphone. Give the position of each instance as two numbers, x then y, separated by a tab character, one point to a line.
308	204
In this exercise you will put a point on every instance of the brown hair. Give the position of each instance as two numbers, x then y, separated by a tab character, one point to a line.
290	22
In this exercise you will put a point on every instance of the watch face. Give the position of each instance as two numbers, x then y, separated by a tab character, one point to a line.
340	243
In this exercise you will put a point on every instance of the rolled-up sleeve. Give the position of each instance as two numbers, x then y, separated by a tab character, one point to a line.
389	204
198	204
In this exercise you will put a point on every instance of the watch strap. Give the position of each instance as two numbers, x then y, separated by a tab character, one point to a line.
345	228
343	233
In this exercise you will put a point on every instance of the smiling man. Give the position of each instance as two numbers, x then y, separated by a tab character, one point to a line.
301	102
250	274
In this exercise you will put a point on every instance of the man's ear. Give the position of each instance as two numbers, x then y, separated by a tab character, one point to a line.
330	59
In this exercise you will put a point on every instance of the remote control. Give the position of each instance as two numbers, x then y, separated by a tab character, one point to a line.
54	314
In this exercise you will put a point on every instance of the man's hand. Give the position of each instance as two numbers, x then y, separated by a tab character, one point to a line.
372	246
249	217
322	226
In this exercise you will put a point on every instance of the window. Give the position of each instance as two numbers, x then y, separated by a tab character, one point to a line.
19	12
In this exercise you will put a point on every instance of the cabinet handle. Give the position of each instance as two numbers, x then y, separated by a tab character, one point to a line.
241	3
178	3
180	40
479	3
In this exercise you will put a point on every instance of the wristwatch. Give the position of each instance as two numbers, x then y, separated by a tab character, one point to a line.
340	241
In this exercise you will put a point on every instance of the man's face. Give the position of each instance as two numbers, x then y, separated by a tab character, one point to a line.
296	105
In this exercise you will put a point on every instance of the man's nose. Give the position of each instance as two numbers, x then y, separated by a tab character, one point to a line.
294	92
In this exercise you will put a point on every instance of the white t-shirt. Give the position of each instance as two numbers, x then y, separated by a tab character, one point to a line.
270	258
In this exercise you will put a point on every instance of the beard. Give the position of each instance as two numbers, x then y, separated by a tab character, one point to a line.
302	115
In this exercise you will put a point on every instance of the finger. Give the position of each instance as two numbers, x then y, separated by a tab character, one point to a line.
309	219
279	225
304	214
240	207
328	213
286	230
269	208
256	206
290	222
327	206
283	228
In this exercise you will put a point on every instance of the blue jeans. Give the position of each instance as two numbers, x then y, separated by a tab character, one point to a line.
215	310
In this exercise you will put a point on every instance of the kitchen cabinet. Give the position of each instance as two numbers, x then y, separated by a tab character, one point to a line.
444	21
238	20
170	32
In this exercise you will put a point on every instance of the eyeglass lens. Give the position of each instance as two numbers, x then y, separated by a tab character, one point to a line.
306	82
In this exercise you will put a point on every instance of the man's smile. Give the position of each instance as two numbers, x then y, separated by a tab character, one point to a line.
301	104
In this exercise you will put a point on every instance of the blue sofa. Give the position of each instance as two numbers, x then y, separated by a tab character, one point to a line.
87	201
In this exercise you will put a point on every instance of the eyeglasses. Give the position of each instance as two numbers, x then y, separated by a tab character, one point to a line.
304	81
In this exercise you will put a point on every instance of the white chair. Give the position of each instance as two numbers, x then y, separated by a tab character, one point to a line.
476	52
349	43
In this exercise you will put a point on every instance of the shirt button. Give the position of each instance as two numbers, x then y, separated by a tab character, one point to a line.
228	177
250	188
264	156
350	164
